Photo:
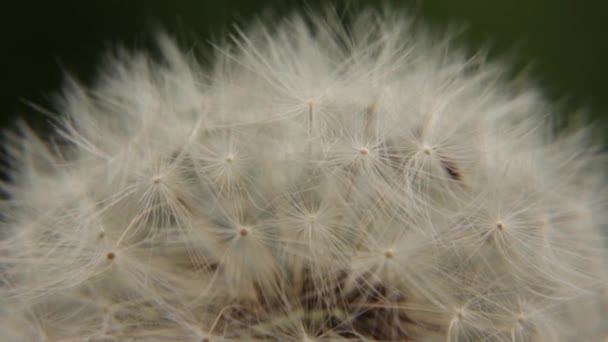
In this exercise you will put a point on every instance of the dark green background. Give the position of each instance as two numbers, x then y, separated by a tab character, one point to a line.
563	41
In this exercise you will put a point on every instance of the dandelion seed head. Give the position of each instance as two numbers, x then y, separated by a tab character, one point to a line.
324	178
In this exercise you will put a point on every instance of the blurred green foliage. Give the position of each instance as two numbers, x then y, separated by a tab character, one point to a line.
563	41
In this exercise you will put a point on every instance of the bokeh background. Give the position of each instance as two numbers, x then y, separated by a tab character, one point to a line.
562	43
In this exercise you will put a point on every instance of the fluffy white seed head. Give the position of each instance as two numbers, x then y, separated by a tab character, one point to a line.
318	182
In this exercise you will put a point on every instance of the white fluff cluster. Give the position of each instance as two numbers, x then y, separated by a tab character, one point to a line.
315	183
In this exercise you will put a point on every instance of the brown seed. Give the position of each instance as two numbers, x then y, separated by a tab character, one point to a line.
452	170
110	255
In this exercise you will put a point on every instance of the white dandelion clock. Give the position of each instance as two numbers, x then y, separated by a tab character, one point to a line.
321	181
